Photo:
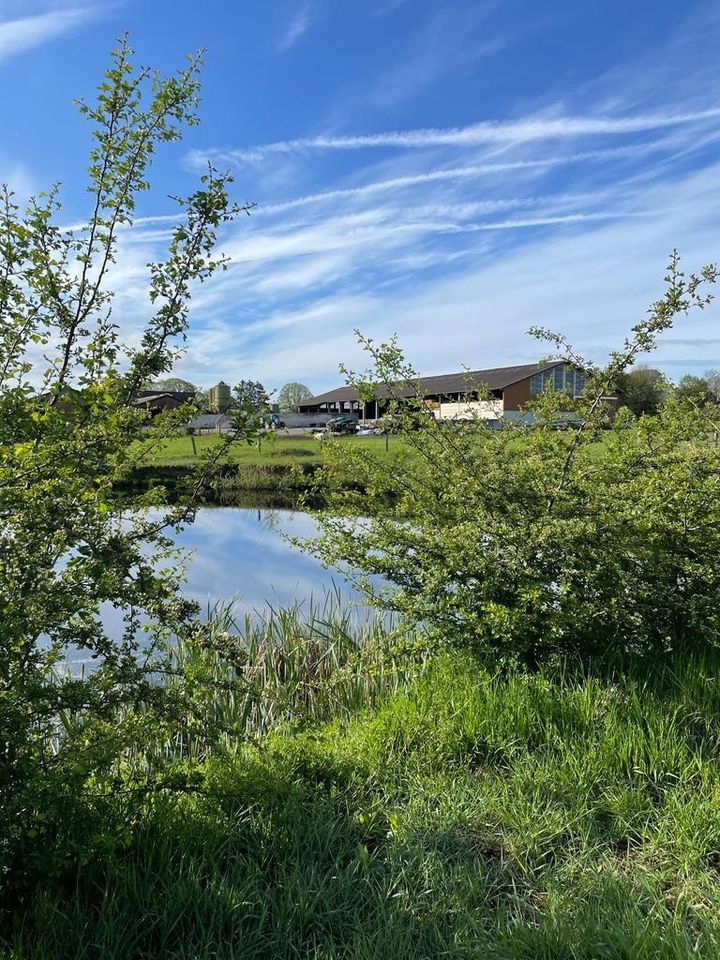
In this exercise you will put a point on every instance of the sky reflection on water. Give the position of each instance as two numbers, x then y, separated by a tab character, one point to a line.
242	555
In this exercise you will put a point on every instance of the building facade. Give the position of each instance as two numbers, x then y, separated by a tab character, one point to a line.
485	394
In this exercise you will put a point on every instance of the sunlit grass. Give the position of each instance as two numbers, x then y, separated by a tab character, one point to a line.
179	451
476	814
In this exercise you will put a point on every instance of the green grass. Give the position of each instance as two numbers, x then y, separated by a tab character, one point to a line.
178	451
477	815
303	664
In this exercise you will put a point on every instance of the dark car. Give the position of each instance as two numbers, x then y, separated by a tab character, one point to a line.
341	425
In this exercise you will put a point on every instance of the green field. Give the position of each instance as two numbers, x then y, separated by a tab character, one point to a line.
178	451
480	815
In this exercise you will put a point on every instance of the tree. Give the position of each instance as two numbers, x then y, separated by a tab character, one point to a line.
292	395
713	381
694	388
642	390
602	541
72	546
251	395
172	383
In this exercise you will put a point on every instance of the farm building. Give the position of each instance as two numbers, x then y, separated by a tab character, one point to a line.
211	423
505	390
156	400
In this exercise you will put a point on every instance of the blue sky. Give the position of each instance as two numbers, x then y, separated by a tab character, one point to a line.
451	171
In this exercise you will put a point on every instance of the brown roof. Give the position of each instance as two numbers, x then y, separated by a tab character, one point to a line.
495	378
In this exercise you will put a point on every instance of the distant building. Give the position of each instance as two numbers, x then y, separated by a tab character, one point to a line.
450	396
156	400
219	397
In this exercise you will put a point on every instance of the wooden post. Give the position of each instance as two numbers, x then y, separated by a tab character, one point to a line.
192	441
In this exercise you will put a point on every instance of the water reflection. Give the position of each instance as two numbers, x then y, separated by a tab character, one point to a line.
242	555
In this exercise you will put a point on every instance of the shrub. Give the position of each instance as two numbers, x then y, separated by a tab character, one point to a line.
530	540
71	549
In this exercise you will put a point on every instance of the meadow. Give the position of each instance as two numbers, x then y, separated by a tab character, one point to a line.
469	812
272	449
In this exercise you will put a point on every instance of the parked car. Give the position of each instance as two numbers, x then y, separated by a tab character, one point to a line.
341	425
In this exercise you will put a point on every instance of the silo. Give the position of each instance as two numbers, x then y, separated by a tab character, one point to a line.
219	397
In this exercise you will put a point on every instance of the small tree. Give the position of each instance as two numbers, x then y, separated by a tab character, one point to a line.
532	541
642	390
251	394
292	395
694	388
87	575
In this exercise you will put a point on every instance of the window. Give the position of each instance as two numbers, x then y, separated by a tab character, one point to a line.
580	383
561	377
546	379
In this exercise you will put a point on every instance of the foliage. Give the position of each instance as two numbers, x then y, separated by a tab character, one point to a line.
482	814
86	576
251	394
642	390
287	666
171	383
292	395
695	389
524	540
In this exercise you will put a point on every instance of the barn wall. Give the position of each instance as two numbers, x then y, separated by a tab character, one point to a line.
516	395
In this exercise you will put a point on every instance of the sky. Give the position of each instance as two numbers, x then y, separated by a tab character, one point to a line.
452	172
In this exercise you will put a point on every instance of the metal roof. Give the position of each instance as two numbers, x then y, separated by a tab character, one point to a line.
495	378
149	397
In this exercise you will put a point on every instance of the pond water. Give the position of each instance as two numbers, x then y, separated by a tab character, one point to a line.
243	555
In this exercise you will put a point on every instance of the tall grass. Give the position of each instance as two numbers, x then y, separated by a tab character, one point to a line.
306	663
509	816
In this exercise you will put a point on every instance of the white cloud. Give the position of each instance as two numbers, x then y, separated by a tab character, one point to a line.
472	172
298	25
592	283
304	275
25	33
451	41
511	132
19	179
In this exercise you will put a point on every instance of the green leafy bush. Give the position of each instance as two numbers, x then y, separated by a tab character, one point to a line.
84	573
531	540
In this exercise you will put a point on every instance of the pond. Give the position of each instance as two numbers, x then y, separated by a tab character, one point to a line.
243	555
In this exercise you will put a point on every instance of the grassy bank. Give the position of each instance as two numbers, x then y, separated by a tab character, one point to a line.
281	468
477	815
274	449
251	484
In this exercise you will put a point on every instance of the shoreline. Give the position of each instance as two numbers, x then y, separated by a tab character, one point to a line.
266	485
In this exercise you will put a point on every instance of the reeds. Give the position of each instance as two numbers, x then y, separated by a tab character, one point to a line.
285	666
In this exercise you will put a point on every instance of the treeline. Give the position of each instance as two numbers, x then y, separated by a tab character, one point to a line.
644	389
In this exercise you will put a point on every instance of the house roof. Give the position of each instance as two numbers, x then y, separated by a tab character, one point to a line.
494	378
150	398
